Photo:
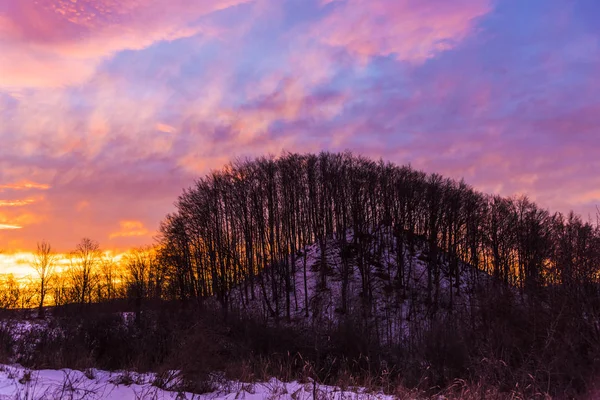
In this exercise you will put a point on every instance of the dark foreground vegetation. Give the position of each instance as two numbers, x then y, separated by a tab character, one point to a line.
432	285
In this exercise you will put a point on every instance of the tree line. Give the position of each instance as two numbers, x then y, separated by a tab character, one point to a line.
248	226
253	220
84	276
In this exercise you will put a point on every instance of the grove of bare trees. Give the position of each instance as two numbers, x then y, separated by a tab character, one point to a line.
253	221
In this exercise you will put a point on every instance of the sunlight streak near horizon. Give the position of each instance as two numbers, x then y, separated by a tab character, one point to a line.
20	264
9	227
17	264
16	203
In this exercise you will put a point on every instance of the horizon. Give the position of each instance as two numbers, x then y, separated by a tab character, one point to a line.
108	111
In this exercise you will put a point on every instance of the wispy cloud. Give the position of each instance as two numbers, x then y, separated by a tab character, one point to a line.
24	185
16	203
409	30
9	227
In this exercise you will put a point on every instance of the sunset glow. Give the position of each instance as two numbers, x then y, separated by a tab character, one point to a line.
108	109
18	264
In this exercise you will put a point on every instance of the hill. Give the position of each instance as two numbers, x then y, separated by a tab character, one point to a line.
370	259
329	286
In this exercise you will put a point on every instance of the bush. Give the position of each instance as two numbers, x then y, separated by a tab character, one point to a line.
503	346
7	342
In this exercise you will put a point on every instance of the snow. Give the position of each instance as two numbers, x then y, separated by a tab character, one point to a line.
21	327
17	382
395	310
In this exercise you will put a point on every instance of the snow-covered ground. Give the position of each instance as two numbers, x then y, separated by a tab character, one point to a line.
19	383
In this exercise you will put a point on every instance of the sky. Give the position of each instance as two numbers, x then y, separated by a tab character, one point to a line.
109	108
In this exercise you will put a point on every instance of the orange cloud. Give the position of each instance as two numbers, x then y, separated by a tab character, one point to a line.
23	185
16	203
165	128
130	228
22	219
592	196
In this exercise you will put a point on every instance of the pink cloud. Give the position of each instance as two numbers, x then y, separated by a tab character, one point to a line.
411	30
52	43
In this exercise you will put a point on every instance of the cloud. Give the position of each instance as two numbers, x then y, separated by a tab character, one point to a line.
130	228
16	203
165	128
7	227
24	185
409	30
502	95
53	43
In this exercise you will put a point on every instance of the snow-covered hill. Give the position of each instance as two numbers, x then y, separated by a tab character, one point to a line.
399	302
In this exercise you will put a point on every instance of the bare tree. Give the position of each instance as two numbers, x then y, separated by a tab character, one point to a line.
44	261
10	292
84	262
108	276
142	275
